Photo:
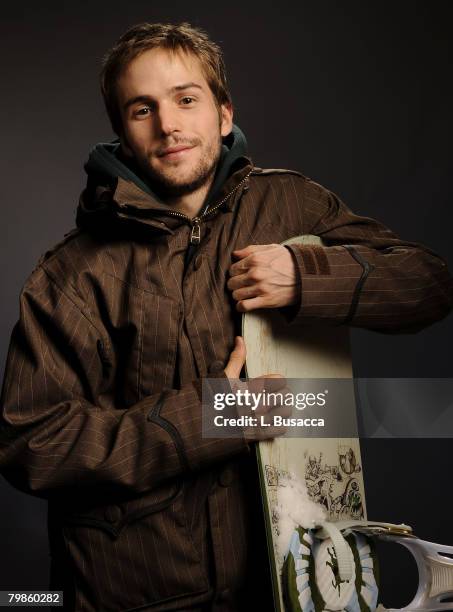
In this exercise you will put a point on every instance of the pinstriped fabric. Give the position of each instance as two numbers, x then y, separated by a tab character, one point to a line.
405	280
101	408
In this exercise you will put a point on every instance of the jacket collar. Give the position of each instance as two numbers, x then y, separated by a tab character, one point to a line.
127	195
115	188
126	200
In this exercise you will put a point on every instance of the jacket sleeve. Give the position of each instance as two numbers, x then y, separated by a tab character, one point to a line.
58	425
364	275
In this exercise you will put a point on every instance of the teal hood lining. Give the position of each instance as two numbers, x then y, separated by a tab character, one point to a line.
106	164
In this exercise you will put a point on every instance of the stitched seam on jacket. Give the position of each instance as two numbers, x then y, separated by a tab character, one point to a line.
172	431
53	280
127	519
366	269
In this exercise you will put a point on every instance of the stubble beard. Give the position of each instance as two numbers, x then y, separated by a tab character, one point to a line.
166	185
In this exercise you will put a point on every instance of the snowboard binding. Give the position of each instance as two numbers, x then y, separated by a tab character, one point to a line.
333	566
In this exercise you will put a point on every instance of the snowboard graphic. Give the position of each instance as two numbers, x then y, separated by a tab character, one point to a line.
330	467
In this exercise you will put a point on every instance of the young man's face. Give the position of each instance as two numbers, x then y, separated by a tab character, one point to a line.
171	124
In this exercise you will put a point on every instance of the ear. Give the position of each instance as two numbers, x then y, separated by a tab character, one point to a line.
226	119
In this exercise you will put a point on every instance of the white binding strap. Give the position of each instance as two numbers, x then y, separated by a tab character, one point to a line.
342	550
434	561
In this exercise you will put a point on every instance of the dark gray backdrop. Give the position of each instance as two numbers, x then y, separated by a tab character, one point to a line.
356	95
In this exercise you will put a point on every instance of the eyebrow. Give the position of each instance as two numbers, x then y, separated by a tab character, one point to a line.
145	98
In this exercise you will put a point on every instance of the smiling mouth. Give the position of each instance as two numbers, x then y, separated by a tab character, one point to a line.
175	152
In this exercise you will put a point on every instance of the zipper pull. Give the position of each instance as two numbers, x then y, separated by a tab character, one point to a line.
195	234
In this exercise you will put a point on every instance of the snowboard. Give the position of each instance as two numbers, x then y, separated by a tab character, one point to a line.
330	467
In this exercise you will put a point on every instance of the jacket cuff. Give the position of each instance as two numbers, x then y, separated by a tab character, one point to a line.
331	279
185	419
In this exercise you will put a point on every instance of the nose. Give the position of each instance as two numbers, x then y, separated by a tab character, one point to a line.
167	119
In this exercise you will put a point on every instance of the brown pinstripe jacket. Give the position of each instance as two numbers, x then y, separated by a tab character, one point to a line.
101	398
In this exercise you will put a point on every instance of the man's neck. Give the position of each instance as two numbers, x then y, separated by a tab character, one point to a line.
191	203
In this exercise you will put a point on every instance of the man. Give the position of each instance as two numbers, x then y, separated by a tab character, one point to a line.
177	235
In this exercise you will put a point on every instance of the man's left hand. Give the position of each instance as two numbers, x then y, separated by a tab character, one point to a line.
263	277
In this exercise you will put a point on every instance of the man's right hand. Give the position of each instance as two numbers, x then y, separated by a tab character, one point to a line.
268	383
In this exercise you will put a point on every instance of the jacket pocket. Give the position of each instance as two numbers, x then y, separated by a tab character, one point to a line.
143	327
139	553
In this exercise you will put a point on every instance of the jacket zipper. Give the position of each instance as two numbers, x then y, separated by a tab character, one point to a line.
195	234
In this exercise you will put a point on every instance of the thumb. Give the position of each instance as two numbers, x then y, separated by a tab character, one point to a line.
237	358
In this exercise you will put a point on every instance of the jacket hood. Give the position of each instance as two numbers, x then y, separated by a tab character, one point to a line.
110	174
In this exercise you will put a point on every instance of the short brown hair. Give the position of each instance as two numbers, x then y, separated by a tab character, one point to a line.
174	37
